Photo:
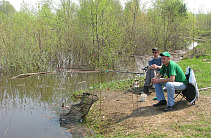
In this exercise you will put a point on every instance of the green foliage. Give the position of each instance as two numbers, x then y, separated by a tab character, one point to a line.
200	64
100	33
203	20
170	24
2	16
100	23
6	7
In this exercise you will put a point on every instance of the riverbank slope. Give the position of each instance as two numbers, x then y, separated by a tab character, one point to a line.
122	114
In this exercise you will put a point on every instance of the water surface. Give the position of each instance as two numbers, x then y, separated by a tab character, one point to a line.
31	106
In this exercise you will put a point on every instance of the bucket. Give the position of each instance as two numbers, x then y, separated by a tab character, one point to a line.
143	97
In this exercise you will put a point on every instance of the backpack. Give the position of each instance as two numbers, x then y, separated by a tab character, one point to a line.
191	93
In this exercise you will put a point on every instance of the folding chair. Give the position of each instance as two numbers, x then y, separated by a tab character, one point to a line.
177	94
189	94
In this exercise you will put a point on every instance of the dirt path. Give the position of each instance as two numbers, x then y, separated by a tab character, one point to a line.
126	113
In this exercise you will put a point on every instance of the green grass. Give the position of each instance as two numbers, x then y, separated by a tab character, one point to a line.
156	135
199	128
122	85
202	69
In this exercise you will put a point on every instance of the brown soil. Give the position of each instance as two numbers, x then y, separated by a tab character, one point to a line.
126	113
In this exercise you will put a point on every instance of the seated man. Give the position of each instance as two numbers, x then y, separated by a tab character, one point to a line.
176	81
153	69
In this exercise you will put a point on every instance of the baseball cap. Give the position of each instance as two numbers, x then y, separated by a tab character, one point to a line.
166	54
155	49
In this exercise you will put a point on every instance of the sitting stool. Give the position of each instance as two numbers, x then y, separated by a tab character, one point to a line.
182	93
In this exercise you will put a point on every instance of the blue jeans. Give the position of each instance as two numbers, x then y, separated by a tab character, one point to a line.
171	87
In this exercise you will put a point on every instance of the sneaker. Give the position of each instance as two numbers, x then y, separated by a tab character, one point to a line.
145	90
162	102
169	108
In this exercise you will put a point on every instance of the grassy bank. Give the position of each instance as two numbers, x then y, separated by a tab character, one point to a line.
185	121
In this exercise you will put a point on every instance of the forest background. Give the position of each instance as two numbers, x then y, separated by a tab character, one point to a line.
95	32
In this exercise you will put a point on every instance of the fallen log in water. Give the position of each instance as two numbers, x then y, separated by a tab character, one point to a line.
30	74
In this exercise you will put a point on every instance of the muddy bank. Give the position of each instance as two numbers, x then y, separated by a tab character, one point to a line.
124	113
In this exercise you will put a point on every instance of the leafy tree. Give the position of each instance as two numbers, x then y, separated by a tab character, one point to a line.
137	26
6	7
2	16
97	32
99	22
171	18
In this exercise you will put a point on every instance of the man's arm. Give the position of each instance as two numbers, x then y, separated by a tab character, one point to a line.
158	75
157	80
159	67
154	66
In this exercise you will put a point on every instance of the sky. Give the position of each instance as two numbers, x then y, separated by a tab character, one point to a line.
192	5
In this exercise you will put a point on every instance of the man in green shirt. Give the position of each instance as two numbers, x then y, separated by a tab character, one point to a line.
176	81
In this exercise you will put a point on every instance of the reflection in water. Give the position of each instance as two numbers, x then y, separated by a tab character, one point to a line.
31	107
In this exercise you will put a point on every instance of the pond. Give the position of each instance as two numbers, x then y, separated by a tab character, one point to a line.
31	106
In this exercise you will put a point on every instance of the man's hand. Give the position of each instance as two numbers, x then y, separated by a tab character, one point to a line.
154	66
155	80
158	80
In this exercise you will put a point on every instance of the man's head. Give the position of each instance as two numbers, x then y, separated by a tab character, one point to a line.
155	52
165	58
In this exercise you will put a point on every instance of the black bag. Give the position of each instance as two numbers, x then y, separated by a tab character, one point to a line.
190	92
